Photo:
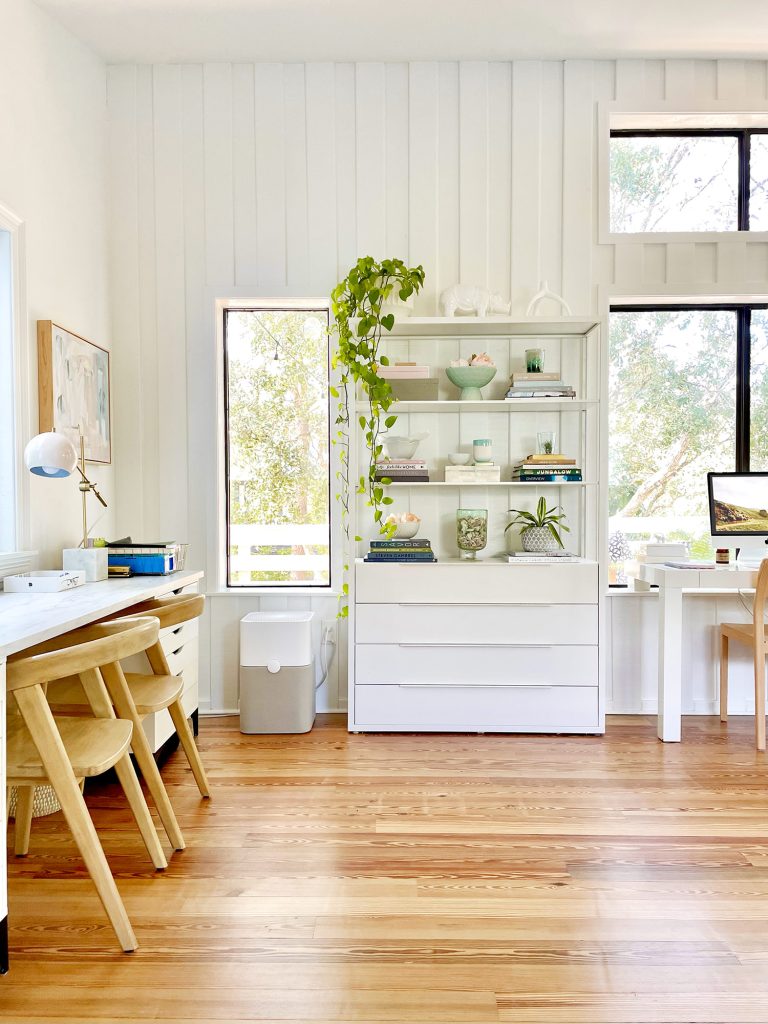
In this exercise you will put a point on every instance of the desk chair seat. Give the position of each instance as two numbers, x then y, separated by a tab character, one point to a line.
150	693
755	635
62	752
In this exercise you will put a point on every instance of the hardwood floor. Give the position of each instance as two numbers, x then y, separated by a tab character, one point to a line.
399	878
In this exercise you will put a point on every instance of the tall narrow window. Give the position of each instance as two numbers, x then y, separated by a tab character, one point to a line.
8	539
277	447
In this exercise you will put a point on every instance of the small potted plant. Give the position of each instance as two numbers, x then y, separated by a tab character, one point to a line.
540	530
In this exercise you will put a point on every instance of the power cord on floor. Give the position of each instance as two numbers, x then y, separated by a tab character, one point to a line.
325	662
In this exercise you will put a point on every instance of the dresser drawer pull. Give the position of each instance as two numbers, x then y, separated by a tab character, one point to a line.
534	647
475	686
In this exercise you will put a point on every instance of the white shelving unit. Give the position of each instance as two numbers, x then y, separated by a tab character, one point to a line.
485	645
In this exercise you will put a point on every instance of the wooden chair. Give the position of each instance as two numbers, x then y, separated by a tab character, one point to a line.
62	752
755	635
138	695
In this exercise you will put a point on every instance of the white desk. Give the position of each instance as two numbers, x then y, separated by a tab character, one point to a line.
672	584
29	619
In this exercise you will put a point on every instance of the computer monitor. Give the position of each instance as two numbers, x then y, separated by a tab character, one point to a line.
738	513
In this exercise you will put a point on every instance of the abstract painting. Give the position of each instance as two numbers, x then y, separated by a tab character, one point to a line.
74	389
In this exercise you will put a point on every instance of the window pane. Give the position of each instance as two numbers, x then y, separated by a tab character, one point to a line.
758	440
672	419
758	183
7	421
674	183
277	447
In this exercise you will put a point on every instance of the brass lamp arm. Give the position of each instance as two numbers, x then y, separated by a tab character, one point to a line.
89	485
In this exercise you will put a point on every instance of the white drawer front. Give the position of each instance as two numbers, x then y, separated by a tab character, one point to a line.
468	708
180	660
490	582
465	664
465	623
173	637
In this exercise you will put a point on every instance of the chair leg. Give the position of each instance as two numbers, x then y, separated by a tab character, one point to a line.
723	677
760	697
121	697
25	796
187	740
135	797
39	720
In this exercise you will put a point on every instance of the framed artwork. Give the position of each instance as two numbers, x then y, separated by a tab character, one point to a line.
74	389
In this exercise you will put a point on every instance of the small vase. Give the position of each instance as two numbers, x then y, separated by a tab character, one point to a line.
534	360
546	442
471	531
540	540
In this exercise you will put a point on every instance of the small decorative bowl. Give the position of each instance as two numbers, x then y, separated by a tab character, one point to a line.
470	379
458	458
405	531
402	447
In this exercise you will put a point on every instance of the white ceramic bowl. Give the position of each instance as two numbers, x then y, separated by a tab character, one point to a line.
458	458
402	447
407	530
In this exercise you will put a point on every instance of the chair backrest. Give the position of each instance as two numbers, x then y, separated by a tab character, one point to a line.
172	611
80	650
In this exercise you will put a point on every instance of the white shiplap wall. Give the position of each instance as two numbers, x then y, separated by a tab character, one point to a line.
271	179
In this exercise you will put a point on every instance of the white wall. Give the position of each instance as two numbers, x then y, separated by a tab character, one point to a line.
273	178
53	177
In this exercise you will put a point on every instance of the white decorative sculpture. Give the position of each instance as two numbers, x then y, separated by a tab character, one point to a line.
467	298
544	293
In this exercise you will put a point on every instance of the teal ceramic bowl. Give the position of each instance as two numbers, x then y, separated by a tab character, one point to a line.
470	379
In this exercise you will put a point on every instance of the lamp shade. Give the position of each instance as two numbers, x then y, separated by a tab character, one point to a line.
50	455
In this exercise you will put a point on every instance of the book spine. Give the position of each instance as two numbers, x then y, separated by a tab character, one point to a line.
550	478
400	556
388	545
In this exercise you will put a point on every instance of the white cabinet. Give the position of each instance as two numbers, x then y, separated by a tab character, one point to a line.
485	646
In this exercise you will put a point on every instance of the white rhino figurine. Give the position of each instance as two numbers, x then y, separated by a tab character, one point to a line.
467	298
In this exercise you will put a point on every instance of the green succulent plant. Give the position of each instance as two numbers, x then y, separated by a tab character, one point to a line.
543	518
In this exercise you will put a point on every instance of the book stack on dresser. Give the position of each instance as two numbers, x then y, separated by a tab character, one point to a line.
417	549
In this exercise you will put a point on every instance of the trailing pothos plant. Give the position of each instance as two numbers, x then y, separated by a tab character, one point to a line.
359	325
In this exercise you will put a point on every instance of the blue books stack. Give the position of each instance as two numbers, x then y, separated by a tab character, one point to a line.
144	559
415	550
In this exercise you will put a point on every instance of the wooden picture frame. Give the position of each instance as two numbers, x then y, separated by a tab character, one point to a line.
74	389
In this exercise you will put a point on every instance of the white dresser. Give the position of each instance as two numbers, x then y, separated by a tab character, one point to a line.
476	647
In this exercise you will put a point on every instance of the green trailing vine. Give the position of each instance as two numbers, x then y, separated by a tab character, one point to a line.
359	325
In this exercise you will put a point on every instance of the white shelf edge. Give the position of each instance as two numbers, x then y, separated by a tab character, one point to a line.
494	483
491	405
491	326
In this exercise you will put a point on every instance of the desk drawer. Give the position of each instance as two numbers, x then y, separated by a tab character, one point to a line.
174	637
472	665
484	583
473	624
482	709
180	660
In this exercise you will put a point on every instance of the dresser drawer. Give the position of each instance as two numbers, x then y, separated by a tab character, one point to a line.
183	657
174	637
477	708
486	582
476	624
472	665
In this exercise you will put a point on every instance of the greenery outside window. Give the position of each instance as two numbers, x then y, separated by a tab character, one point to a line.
688	394
688	180
277	446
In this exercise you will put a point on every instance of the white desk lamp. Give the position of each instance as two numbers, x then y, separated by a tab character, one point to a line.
51	455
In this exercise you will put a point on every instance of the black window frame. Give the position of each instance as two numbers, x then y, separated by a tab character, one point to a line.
255	307
743	312
743	137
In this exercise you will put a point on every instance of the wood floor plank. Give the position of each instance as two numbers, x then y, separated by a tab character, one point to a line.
417	878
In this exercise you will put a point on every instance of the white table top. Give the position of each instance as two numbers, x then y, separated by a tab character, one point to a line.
725	577
28	619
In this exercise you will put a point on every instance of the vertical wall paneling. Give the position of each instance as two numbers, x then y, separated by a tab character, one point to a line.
171	313
370	123
148	427
296	209
397	161
346	170
275	178
270	178
578	198
126	299
527	183
219	185
244	175
473	173
423	194
322	159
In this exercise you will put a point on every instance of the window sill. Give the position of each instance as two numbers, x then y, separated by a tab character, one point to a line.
671	237
274	592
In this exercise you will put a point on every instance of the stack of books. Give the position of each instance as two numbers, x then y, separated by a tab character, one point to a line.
541	557
546	469
415	550
403	471
538	385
